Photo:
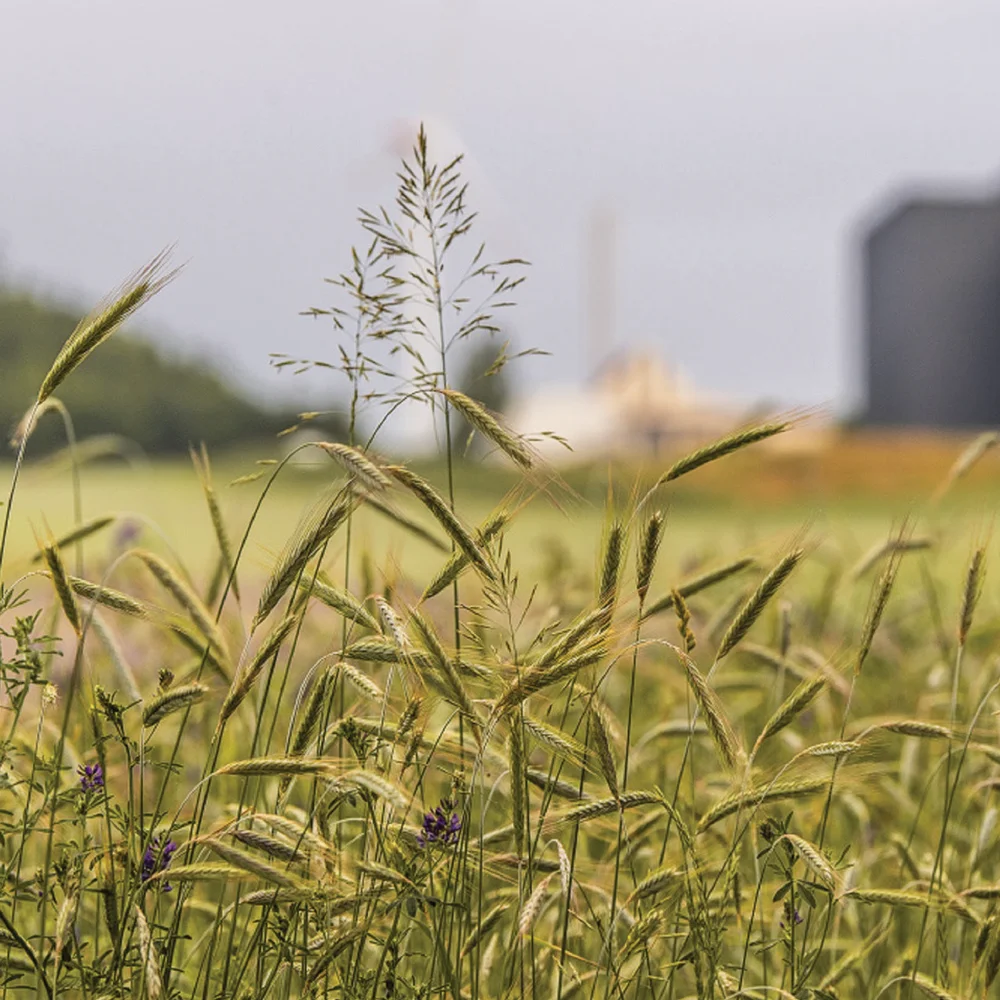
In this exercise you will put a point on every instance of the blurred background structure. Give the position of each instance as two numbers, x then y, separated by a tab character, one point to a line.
932	312
685	177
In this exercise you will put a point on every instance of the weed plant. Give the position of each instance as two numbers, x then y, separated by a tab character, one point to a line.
772	777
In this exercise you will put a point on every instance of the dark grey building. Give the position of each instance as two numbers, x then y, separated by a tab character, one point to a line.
931	279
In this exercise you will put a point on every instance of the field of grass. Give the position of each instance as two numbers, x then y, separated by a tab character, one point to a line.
783	825
721	727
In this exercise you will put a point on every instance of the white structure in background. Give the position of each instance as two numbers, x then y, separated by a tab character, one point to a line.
635	406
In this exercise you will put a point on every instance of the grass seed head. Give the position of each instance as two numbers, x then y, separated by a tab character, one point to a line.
758	600
175	699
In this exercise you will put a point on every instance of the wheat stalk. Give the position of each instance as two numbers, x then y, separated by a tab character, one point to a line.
532	908
485	534
345	604
172	700
721	729
150	960
361	682
314	530
599	733
966	460
184	596
919	728
114	600
757	601
269	845
358	465
512	445
791	708
252	865
245	678
204	471
78	534
699	583
813	859
876	608
648	550
654	883
543	674
604	807
271	766
721	448
97	327
443	514
777	791
971	594
62	585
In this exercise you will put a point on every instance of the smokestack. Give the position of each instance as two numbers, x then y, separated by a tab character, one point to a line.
601	278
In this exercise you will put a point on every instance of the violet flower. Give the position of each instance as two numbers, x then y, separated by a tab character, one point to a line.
442	826
91	777
157	859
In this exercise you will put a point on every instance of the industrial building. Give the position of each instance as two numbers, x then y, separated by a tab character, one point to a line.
931	313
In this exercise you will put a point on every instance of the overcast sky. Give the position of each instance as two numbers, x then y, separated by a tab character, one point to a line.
739	142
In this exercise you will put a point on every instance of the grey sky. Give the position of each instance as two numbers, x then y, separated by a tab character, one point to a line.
739	141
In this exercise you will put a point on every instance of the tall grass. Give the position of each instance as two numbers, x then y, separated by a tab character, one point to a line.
338	781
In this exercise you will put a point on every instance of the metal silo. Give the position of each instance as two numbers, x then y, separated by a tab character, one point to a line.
932	314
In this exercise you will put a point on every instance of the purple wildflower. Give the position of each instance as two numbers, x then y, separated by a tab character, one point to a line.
791	915
91	777
157	859
439	827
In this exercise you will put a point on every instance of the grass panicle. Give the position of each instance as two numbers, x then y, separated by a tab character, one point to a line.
611	565
184	596
601	738
533	907
454	688
114	600
307	723
966	460
253	865
544	674
684	630
269	845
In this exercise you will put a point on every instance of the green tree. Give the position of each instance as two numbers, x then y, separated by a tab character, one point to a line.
129	387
